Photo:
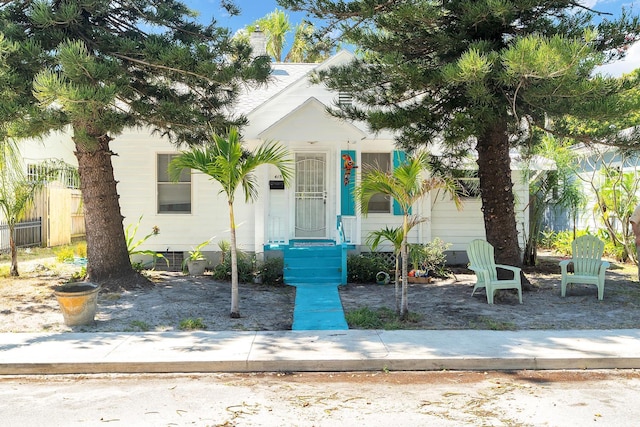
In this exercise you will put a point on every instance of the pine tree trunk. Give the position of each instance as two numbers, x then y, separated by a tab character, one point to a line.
498	205
107	255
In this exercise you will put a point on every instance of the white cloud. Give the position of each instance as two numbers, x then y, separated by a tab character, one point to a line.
628	64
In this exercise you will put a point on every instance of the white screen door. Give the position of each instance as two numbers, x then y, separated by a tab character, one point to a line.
311	195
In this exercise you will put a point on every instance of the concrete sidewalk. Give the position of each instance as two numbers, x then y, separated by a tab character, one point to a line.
325	351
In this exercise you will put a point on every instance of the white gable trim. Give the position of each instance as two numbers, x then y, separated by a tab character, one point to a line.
311	122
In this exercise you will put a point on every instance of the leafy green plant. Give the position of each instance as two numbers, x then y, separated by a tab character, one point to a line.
561	241
79	275
246	268
364	267
132	244
196	254
430	256
191	324
272	271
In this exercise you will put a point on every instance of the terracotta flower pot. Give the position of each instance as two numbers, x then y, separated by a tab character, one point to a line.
78	302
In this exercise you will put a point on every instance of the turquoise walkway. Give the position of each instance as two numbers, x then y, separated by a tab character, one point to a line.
318	307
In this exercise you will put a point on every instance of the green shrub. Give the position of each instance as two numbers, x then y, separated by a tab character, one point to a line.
430	256
364	267
561	241
246	268
272	271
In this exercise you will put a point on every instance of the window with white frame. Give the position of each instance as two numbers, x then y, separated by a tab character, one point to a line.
173	197
379	203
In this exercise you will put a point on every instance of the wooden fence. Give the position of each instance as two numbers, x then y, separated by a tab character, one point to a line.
62	214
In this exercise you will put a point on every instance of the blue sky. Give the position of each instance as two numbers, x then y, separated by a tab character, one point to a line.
254	9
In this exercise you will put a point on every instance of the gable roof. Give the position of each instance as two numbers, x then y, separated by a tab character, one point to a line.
284	75
311	118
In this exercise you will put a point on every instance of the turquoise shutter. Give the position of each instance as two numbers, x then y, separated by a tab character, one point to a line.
399	158
347	202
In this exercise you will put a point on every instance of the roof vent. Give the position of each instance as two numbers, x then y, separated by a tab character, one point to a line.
344	99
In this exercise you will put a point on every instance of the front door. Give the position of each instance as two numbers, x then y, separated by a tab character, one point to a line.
311	195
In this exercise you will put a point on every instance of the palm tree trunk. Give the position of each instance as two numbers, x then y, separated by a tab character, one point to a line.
404	308
235	307
14	254
397	283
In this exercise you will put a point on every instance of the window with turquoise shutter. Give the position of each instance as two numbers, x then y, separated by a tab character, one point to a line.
379	203
399	157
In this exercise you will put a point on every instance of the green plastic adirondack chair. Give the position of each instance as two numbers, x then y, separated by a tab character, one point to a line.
482	262
588	266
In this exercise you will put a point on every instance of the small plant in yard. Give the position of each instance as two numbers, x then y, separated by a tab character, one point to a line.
191	324
5	270
139	325
381	318
79	275
132	244
80	249
494	325
246	268
64	253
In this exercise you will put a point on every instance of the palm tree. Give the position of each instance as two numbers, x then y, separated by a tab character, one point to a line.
226	161
407	186
16	194
276	26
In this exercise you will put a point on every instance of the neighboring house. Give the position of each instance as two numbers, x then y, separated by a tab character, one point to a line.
291	110
592	162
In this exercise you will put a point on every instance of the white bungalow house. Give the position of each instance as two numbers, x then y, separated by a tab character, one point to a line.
291	110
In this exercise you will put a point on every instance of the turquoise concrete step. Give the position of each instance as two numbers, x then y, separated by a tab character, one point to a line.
315	261
315	268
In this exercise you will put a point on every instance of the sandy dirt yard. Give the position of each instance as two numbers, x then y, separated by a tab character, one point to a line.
28	304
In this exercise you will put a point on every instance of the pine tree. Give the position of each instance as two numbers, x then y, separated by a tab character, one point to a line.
108	66
476	75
